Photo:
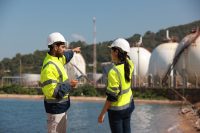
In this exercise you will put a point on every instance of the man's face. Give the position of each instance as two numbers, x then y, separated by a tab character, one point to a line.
60	49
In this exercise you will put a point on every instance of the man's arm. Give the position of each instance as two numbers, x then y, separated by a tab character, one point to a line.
70	52
68	55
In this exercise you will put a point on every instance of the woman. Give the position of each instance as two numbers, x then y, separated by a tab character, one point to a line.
119	102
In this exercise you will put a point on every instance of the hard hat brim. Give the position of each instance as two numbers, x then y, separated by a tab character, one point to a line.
65	43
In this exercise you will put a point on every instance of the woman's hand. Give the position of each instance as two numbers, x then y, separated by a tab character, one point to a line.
101	118
103	112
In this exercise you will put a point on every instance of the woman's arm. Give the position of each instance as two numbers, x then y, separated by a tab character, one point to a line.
104	110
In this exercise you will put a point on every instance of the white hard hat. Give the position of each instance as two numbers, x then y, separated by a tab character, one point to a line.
121	43
56	37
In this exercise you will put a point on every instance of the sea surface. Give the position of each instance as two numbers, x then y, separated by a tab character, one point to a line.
28	116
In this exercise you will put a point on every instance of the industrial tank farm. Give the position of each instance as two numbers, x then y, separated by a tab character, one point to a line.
188	64
161	58
140	56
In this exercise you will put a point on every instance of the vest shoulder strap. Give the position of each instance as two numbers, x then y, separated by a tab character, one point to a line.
57	68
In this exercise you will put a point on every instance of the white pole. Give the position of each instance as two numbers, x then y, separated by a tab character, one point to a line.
138	45
138	66
20	71
94	52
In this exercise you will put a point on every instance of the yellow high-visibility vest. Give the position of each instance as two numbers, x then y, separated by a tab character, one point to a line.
119	87
53	73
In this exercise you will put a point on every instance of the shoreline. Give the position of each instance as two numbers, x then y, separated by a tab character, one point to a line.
184	123
85	99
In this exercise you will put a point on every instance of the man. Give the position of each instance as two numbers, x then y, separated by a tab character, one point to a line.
55	84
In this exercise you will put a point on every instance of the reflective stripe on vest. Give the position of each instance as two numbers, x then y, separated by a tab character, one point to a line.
120	93
54	81
124	91
121	107
48	82
56	100
60	73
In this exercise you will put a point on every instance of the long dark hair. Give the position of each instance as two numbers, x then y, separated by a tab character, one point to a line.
123	59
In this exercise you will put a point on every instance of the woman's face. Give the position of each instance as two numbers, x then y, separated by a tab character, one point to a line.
114	55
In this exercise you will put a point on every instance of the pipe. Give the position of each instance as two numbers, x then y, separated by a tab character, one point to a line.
85	76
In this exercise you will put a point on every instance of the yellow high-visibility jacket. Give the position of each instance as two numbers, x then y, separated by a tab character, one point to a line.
54	82
118	89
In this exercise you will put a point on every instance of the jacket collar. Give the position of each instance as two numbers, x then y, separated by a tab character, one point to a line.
52	57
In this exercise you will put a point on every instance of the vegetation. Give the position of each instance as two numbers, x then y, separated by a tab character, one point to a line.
13	89
84	90
89	90
149	94
31	63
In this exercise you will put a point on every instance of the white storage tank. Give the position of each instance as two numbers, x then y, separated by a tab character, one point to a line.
140	56
76	62
31	80
161	58
188	64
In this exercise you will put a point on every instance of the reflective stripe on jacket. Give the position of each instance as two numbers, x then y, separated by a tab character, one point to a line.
118	87
53	73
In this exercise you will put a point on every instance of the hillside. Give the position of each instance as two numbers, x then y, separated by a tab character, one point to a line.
31	63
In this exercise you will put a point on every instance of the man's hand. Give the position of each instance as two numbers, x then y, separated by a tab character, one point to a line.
73	83
77	49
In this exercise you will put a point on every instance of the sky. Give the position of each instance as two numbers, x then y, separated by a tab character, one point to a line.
26	24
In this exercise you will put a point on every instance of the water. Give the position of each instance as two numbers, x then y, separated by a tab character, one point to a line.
20	116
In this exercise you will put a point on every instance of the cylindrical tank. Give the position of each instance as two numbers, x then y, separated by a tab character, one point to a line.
188	64
140	56
76	67
30	79
161	58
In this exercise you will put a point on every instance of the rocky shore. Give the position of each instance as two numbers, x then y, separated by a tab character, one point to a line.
190	119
